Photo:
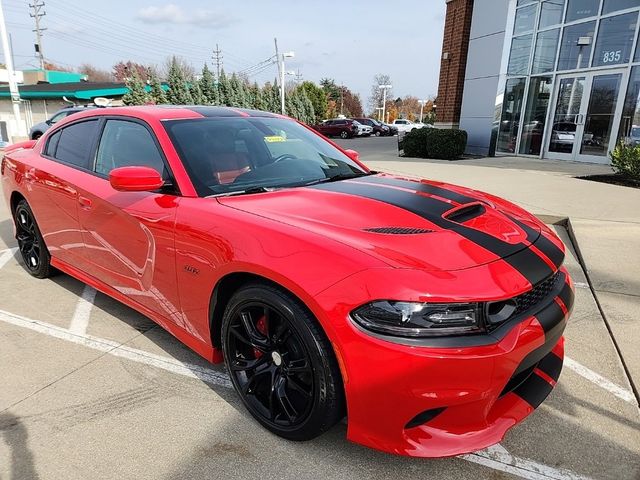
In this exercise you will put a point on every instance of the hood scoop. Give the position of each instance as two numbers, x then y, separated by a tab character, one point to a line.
398	230
464	213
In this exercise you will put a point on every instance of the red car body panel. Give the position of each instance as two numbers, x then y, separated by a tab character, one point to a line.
163	255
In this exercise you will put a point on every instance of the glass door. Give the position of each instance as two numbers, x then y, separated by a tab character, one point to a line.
586	113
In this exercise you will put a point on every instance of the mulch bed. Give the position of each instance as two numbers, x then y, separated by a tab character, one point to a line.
614	179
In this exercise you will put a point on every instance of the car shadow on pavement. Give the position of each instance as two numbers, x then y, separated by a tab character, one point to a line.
14	434
6	233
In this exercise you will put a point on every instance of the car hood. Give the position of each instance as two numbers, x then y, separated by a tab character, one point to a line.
404	222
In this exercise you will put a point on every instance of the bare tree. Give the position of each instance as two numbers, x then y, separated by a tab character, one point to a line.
375	100
96	74
185	67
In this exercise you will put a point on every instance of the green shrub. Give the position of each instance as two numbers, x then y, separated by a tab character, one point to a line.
445	144
625	160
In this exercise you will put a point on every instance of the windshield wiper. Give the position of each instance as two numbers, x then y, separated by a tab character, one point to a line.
246	191
339	176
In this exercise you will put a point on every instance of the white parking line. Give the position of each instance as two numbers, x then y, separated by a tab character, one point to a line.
6	255
581	285
116	349
498	458
495	457
600	381
80	319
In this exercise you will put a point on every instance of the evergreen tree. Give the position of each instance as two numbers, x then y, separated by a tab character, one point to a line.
136	94
157	92
207	87
196	94
310	114
178	90
237	92
275	98
258	98
224	90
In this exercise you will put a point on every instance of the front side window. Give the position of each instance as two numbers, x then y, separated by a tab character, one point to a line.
75	143
615	40
234	155
57	117
127	144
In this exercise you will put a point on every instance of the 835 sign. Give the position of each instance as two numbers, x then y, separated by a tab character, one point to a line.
612	56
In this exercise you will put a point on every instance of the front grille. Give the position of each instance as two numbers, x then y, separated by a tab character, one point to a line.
518	305
534	296
398	230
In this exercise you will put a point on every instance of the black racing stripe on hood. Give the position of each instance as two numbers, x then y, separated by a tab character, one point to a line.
420	187
530	265
534	390
546	246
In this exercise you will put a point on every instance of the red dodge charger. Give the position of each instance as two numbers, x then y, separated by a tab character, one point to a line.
430	315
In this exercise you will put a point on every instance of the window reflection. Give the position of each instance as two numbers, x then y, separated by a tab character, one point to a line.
510	118
520	53
599	120
544	59
576	46
630	122
535	115
615	40
582	9
615	5
551	13
525	19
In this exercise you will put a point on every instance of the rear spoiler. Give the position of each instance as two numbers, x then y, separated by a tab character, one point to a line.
26	145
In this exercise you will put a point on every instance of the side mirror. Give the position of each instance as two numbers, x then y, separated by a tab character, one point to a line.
48	122
135	179
353	155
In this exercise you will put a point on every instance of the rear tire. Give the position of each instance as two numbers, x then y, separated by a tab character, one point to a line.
32	248
281	363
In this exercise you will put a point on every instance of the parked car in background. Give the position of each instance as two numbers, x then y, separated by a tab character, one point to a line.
39	128
363	130
393	130
379	129
404	125
338	127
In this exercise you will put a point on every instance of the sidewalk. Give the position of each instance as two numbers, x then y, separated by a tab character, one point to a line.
605	220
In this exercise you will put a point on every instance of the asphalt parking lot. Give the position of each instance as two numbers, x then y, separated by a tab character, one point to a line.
91	389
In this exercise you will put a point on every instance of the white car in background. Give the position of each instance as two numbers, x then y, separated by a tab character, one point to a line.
363	130
403	125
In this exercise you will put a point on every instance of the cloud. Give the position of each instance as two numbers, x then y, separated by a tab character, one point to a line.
171	13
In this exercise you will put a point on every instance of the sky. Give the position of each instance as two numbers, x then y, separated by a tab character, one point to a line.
349	41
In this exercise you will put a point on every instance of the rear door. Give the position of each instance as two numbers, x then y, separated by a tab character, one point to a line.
130	235
53	181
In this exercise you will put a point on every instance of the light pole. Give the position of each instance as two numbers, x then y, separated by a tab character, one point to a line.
13	86
421	102
282	74
384	89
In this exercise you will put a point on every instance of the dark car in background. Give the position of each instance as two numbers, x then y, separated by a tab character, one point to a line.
379	129
339	127
39	128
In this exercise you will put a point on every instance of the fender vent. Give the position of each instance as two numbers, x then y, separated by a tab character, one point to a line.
398	230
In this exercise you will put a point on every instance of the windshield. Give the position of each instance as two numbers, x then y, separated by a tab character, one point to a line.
246	154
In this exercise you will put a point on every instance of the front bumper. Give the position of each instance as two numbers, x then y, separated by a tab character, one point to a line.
429	401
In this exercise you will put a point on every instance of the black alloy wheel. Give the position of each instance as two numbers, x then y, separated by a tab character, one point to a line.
281	363
30	242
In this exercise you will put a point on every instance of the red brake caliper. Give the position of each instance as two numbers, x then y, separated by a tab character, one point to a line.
262	327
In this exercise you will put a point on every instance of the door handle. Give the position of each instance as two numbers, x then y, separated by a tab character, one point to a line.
85	202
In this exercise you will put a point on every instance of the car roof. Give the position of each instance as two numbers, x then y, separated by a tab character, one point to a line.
167	112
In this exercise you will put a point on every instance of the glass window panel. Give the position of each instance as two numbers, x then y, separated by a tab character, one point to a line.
615	5
535	115
566	116
551	13
525	2
525	19
582	9
574	53
615	39
630	122
510	118
599	119
520	52
544	58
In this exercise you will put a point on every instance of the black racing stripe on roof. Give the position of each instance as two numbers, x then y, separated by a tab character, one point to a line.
208	111
521	258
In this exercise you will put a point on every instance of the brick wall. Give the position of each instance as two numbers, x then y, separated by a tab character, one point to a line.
453	62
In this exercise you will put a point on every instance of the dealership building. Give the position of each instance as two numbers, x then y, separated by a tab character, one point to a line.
556	79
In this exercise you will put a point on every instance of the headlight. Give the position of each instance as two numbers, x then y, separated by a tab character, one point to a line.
416	320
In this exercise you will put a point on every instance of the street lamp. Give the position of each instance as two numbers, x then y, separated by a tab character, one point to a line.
384	89
421	102
282	74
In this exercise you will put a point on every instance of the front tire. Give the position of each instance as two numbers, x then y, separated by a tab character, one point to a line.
344	134
281	363
32	248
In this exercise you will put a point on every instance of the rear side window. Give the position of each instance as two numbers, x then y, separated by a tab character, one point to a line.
74	143
52	144
127	144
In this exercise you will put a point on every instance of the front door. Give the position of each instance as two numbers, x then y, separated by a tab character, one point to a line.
586	115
